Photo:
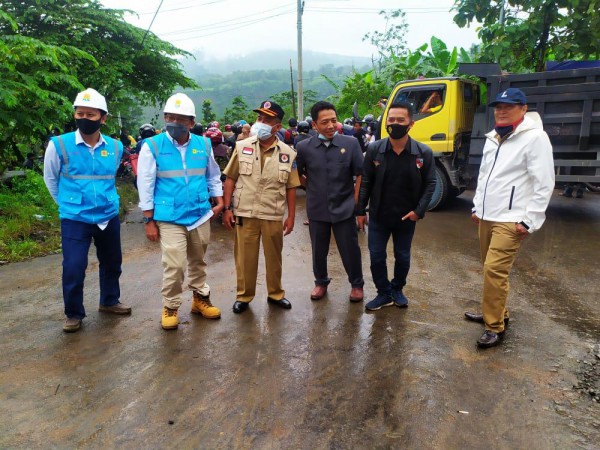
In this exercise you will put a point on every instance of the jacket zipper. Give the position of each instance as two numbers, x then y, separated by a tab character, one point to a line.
512	194
488	179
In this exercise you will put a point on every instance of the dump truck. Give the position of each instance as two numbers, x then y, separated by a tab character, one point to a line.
452	117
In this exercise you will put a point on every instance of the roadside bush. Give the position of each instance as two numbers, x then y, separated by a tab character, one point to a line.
29	223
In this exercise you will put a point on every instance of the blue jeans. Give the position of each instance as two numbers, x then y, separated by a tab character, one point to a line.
379	235
76	239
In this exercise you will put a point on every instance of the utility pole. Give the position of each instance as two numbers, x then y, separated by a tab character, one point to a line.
501	20
300	99
292	86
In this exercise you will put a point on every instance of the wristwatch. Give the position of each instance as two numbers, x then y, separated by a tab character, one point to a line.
229	208
147	220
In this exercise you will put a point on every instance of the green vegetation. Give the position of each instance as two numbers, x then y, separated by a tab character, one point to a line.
51	49
29	223
533	31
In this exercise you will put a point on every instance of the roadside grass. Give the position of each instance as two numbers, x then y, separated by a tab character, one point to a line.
29	223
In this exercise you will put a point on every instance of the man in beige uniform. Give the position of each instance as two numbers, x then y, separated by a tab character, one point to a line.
261	179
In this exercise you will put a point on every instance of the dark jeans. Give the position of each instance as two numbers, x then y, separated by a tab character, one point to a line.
76	239
346	238
379	235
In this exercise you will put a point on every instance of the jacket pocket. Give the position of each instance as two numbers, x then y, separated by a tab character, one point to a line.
71	197
246	165
512	194
284	172
164	207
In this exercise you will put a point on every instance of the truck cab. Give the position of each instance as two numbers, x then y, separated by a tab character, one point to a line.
443	111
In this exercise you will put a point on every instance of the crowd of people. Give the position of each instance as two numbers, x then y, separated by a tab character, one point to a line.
247	175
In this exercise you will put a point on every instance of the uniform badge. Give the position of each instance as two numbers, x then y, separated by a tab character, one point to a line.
283	158
342	151
419	163
267	105
247	150
103	153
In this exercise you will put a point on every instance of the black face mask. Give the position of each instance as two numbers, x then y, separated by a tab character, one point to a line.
397	131
87	126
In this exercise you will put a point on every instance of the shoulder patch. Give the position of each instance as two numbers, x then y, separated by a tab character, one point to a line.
247	150
284	158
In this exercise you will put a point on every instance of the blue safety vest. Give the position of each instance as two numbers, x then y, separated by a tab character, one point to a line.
180	194
86	186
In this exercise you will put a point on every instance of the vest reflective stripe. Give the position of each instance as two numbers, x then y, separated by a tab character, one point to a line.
89	177
179	173
180	195
86	185
65	156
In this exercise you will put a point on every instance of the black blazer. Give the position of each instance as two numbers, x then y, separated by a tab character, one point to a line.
422	177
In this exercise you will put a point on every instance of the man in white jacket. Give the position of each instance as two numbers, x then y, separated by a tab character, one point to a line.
515	183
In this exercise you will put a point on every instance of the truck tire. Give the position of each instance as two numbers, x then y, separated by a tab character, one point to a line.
442	188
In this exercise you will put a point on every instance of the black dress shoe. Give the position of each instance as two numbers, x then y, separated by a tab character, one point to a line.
283	303
474	317
490	339
240	307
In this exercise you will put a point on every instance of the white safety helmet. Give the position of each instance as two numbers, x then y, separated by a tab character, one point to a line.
180	104
92	99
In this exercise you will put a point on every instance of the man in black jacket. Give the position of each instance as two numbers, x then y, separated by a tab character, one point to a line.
397	182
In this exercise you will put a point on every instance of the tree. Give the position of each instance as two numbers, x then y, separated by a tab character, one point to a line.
207	113
284	99
237	111
30	103
66	45
534	31
391	41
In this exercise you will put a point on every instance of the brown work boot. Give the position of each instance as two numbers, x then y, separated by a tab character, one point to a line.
71	325
318	292
169	319
119	308
201	305
357	294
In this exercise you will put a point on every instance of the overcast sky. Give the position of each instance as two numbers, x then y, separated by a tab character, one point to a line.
224	28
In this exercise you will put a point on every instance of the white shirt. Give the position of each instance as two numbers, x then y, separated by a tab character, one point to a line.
146	180
52	166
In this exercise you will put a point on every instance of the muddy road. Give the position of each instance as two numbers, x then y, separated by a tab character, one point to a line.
324	375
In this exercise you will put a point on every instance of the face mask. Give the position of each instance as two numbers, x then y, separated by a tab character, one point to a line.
397	131
505	130
176	130
87	126
262	130
323	138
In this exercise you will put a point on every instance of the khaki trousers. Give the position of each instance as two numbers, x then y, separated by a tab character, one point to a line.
247	245
499	243
181	247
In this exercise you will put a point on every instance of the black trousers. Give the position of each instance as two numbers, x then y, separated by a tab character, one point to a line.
346	237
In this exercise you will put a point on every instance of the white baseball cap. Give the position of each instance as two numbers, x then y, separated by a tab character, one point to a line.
180	104
92	99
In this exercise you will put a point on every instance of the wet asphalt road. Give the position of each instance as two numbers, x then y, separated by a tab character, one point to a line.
324	375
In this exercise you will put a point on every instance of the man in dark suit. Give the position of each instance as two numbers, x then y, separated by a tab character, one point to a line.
330	161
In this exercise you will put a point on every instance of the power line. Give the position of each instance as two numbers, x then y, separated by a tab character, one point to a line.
150	26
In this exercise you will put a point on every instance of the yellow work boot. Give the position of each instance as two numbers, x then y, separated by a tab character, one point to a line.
169	319
202	305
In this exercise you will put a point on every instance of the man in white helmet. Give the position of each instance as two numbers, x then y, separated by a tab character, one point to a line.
79	171
177	175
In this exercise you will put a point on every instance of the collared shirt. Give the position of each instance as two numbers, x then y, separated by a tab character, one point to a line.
233	167
397	189
52	166
330	172
147	178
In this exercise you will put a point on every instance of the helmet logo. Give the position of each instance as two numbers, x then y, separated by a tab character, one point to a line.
267	105
177	103
86	97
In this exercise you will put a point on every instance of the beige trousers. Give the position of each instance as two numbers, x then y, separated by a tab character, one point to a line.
247	245
181	247
499	243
